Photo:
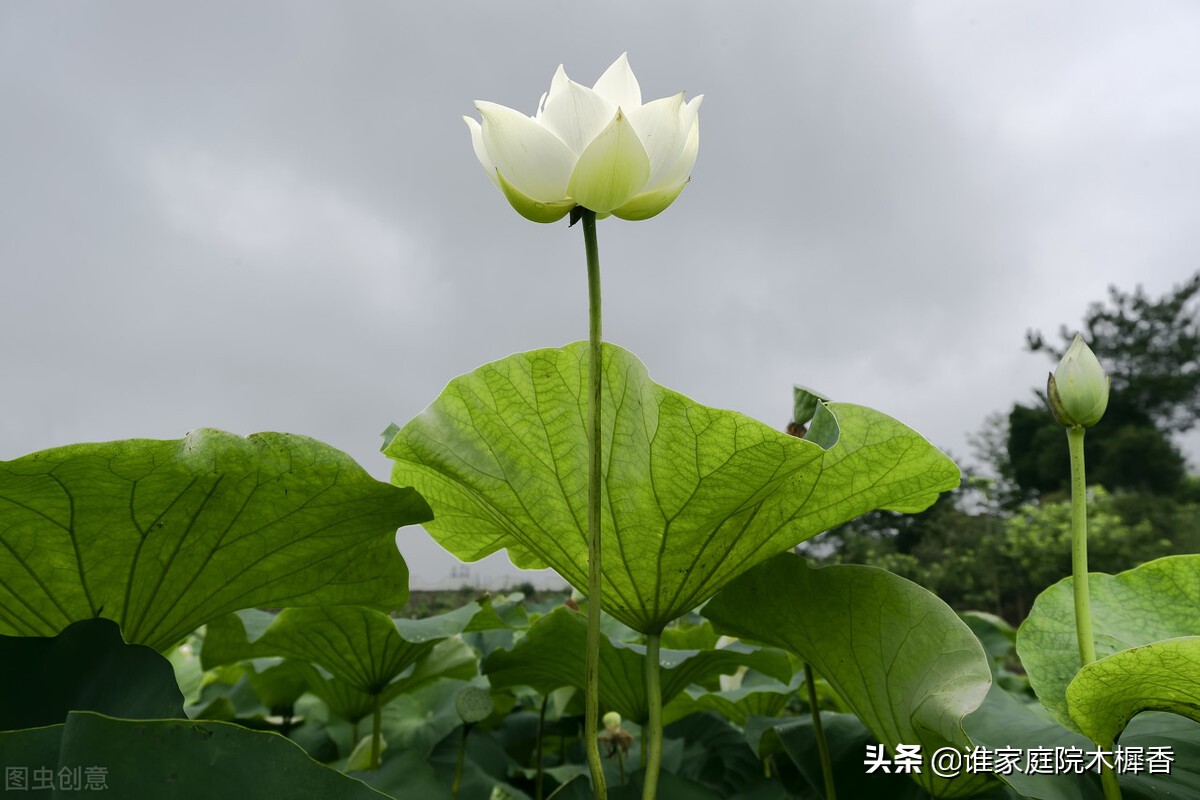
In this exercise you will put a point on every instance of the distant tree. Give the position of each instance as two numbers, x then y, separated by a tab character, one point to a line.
1034	549
1000	562
1139	458
1134	456
1037	458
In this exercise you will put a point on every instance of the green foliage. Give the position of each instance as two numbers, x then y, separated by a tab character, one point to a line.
1005	718
368	655
1036	547
872	624
1160	676
1135	455
87	666
753	695
152	759
692	496
366	648
896	654
1151	603
793	738
1037	459
164	536
716	755
998	563
550	656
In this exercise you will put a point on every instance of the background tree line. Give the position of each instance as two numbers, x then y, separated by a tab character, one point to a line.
1003	537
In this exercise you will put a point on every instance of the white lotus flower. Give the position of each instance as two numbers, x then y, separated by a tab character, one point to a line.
598	148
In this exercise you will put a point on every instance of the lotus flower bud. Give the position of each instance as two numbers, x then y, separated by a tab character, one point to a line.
1078	388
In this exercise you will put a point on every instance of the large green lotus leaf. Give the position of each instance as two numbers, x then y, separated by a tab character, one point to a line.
154	759
228	695
898	656
420	720
343	699
692	496
1155	601
365	648
1162	676
1177	734
501	613
550	656
670	783
487	768
1005	721
407	775
449	658
280	685
86	667
997	636
767	698
715	754
847	740
189	675
687	635
416	721
163	536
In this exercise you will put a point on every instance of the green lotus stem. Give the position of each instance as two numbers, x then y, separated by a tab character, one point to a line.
1079	575
810	682
1108	778
539	751
377	733
591	670
458	768
1079	565
653	733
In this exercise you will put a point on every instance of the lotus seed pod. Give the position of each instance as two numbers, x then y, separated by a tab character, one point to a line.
474	704
612	722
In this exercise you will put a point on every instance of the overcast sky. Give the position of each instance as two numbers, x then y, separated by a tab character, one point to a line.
268	216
